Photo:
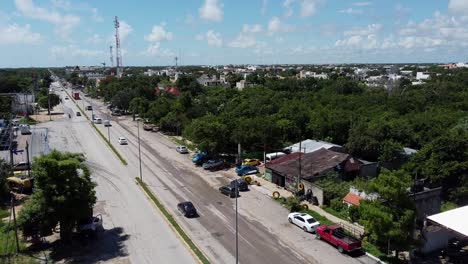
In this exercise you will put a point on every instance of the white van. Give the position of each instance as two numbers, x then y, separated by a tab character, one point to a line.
97	120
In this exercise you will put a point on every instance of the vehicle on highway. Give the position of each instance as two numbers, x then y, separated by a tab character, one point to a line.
187	209
97	120
78	113
246	170
200	158
25	129
66	97
107	123
304	221
89	108
336	236
241	184
182	149
123	141
21	166
229	191
253	162
213	164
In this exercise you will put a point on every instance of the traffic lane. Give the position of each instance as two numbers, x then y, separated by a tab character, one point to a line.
149	238
256	243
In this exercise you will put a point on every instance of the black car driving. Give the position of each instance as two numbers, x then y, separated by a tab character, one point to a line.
187	209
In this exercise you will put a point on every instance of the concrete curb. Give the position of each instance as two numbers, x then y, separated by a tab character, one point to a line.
375	258
190	249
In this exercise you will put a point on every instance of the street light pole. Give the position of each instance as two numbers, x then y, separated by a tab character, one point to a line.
139	149
237	231
108	134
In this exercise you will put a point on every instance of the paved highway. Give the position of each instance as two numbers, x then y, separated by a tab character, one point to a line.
265	236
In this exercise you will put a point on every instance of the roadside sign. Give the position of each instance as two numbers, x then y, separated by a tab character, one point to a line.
16	151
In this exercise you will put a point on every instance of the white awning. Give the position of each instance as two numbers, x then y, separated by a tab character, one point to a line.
456	220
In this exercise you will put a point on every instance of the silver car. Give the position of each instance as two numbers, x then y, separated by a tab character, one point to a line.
182	149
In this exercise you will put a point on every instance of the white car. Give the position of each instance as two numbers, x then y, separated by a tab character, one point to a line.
123	141
182	149
304	221
97	120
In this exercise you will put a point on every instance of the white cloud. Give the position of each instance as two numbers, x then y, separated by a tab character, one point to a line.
199	37
257	28
124	30
370	29
158	34
189	19
308	8
213	38
72	51
211	10
243	41
365	38
63	4
458	6
276	26
362	3
96	16
64	23
95	39
288	6
351	10
155	50
15	34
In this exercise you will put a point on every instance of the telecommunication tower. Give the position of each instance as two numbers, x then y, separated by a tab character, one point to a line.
111	56
118	55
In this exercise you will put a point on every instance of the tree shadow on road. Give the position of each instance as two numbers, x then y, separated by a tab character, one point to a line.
105	245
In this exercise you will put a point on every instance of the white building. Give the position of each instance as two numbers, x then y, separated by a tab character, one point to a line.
421	76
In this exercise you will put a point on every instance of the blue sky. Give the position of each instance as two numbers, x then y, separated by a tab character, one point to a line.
66	32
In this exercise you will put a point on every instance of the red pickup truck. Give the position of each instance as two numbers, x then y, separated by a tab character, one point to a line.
336	236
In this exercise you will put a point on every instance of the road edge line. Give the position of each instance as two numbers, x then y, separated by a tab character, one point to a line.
122	160
188	242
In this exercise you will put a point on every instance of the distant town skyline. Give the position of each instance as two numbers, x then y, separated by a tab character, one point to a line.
41	33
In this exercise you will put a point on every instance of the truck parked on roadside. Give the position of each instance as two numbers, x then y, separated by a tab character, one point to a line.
336	236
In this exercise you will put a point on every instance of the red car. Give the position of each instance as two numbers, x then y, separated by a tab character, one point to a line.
336	236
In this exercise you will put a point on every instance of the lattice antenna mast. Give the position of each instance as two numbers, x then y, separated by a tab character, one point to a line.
118	55
176	59
111	56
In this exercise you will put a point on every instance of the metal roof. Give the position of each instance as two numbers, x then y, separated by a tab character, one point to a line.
455	220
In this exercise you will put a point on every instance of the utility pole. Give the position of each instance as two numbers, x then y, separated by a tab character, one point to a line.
27	159
14	222
299	174
237	225
239	154
48	101
139	149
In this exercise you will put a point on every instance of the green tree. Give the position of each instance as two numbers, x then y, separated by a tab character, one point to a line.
64	195
209	132
44	101
138	105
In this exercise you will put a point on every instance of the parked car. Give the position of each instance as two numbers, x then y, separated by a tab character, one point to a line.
242	185
229	190
107	123
213	164
147	126
89	108
187	209
20	166
336	236
304	221
97	120
25	129
66	97
123	141
78	113
200	158
182	149
252	162
91	225
246	170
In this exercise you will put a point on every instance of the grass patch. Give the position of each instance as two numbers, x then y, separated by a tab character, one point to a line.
174	224
124	162
340	214
27	121
4	213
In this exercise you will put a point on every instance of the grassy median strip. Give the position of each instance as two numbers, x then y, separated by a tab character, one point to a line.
174	224
124	162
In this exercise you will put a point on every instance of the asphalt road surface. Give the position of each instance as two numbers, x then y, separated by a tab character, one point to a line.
264	234
135	232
